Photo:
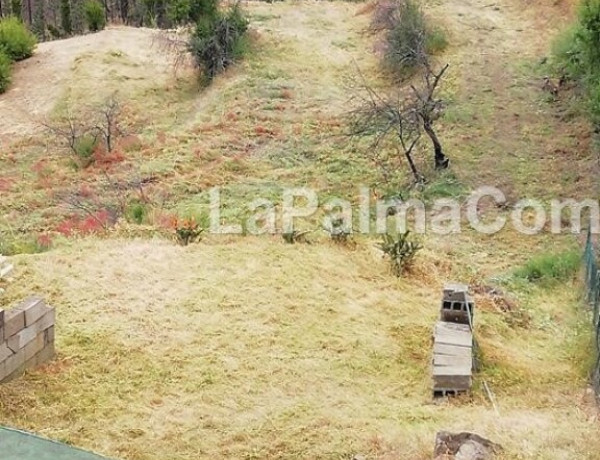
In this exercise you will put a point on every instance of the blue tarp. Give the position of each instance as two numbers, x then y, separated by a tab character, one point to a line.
19	445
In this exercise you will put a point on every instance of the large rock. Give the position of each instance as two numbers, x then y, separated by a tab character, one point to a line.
463	446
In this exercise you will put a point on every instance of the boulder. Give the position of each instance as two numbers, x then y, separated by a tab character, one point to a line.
463	446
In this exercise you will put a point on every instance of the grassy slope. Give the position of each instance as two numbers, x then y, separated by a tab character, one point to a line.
257	349
248	348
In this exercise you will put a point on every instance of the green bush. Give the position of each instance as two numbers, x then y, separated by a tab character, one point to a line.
65	17
551	267
136	212
218	41
401	250
16	41
95	16
84	148
16	8
5	71
577	54
409	39
191	11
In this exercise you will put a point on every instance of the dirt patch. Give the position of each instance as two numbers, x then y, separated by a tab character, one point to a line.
89	66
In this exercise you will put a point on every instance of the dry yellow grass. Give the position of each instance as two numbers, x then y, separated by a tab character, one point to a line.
250	348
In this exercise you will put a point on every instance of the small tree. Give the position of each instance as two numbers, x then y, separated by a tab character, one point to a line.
428	108
65	16
95	15
16	8
83	134
381	118
39	21
216	41
5	71
408	38
395	123
16	41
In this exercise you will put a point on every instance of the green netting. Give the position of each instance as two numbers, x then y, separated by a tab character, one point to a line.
592	280
19	445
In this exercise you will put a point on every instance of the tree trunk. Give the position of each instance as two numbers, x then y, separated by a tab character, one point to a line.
441	160
124	7
413	168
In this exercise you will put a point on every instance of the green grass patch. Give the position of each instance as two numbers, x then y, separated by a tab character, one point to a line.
551	267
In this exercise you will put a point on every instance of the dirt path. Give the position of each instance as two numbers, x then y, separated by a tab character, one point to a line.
510	136
89	66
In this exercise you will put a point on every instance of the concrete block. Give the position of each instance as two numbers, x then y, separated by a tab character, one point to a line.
15	374
15	363
14	321
2	372
45	321
22	338
5	352
49	335
34	309
1	326
46	354
35	346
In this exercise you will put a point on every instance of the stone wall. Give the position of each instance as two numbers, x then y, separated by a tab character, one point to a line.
26	337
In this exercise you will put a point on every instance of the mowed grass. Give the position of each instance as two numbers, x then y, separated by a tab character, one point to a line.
252	348
244	347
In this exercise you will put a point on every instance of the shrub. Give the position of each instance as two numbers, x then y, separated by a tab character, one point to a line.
551	267
5	70
401	250
94	15
65	16
84	148
409	39
187	231
179	11
577	54
295	236
15	39
191	11
136	212
217	41
338	232
16	8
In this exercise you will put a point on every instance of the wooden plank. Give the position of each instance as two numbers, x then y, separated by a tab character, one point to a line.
451	350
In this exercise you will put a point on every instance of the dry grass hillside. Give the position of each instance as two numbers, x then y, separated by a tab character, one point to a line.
247	347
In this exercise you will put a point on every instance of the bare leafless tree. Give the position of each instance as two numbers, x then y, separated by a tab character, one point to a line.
107	126
174	43
81	132
385	118
428	108
396	120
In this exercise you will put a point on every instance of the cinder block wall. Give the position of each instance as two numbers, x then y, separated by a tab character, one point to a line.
26	337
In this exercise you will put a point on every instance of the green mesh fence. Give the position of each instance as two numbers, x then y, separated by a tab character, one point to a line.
19	445
592	281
